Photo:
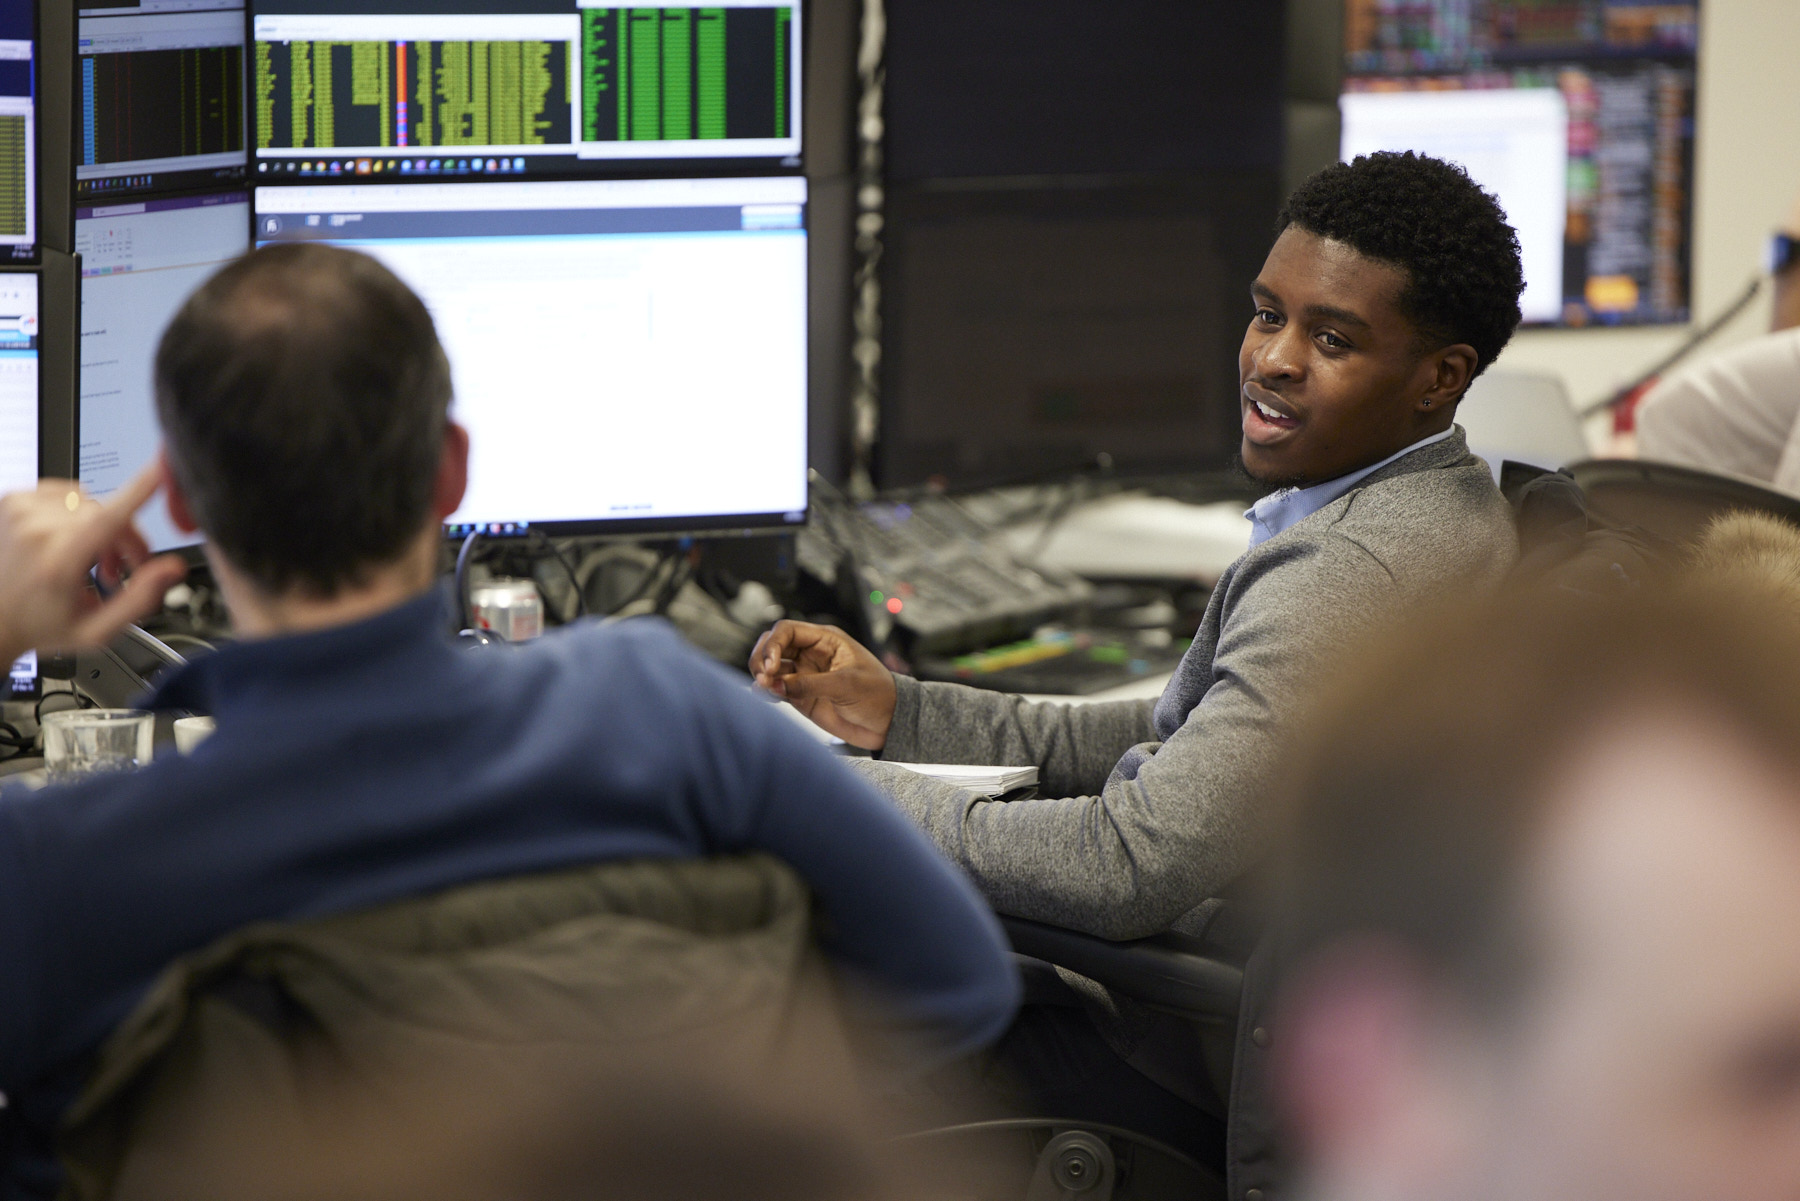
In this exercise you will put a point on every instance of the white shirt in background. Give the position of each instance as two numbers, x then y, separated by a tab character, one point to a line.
1736	412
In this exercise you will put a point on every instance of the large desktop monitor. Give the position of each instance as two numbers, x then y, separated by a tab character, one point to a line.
161	86
19	416
18	381
628	355
1076	197
18	132
1578	115
139	262
363	90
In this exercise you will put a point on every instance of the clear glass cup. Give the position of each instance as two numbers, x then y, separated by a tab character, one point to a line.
84	742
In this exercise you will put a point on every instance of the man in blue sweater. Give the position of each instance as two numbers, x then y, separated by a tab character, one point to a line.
360	757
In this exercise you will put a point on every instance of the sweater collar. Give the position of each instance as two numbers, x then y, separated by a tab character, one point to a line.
327	657
1283	509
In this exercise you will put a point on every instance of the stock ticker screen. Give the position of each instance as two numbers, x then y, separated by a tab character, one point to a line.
1578	114
161	86
478	89
18	132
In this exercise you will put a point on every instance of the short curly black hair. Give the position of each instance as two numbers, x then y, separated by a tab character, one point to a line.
1428	218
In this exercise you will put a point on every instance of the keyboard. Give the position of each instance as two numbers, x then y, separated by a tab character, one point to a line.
1060	663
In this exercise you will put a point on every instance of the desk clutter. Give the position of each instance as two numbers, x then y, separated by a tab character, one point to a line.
957	588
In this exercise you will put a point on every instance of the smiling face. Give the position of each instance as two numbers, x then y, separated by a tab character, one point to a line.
1333	375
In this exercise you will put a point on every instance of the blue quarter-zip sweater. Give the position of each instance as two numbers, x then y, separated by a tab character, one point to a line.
374	762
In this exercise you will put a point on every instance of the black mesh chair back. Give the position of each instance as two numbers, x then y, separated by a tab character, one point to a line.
1671	501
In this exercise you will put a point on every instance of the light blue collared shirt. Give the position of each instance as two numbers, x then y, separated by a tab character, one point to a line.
1281	510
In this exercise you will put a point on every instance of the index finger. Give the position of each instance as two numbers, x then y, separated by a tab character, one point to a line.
758	656
788	638
772	647
115	514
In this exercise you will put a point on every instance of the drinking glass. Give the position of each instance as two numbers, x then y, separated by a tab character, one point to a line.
83	742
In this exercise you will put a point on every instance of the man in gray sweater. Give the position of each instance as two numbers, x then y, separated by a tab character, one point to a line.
1393	283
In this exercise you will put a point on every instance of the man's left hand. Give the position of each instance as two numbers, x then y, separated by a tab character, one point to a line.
50	539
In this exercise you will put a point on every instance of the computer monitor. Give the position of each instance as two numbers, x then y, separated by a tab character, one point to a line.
18	381
139	262
1076	198
161	86
628	355
1578	116
22	676
18	132
345	90
19	416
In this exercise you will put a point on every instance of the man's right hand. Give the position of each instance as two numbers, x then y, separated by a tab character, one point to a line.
830	677
49	540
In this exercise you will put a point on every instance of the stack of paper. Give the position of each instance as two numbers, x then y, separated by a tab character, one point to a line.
989	781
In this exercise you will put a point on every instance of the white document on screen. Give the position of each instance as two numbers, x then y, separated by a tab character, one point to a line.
628	350
18	382
139	263
675	376
1512	141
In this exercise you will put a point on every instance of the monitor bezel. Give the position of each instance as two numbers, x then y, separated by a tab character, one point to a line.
749	525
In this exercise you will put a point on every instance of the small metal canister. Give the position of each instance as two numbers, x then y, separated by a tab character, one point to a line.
510	608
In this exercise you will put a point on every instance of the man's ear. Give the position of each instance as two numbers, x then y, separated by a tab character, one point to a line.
180	511
1357	1058
453	472
1452	369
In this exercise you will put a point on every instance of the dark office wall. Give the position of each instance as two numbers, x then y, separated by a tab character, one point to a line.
1079	192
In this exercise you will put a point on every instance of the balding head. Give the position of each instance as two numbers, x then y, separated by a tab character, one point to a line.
304	398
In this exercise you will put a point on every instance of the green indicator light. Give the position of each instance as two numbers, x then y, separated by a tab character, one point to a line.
875	598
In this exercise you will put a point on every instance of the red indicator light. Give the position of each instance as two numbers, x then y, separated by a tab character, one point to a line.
894	605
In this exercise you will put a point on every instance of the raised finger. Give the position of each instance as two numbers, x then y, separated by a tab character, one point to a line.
127	551
115	514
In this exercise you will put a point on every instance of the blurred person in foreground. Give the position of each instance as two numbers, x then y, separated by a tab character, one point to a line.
1541	907
361	759
1738	411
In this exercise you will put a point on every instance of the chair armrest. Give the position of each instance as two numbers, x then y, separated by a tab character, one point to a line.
1168	971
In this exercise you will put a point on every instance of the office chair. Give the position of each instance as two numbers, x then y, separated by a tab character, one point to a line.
117	674
1521	416
1670	501
1057	1159
335	1056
